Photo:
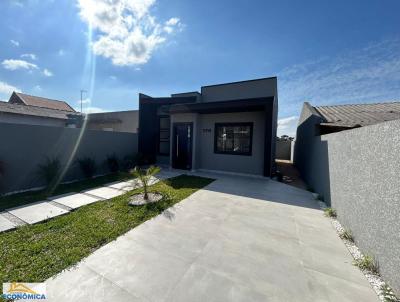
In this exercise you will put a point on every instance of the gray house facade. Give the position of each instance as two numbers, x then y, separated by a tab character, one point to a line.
227	127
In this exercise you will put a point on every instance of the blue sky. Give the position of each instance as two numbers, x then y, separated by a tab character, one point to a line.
325	52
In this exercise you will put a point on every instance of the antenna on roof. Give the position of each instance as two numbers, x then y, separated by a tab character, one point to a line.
82	92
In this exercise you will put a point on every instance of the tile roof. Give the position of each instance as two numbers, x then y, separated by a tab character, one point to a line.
44	102
35	111
359	114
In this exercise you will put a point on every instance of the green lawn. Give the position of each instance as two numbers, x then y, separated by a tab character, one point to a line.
33	253
19	199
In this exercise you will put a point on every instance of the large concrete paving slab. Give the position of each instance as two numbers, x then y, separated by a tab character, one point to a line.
238	239
104	192
37	212
6	224
135	183
74	200
125	185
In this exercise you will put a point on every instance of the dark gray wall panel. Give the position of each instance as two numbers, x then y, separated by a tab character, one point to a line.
24	147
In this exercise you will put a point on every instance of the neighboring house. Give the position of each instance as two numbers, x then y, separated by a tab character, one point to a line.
30	100
320	120
284	146
227	127
33	115
344	117
33	110
118	121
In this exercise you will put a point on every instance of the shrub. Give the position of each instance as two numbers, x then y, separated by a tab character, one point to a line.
88	166
112	163
50	171
368	263
2	168
329	212
346	234
129	162
144	176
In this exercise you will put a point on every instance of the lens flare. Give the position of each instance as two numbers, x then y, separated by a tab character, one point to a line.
88	80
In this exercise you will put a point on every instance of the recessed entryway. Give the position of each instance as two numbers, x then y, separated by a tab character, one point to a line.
182	146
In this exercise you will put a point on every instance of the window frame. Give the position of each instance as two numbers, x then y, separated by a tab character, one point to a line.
239	124
163	140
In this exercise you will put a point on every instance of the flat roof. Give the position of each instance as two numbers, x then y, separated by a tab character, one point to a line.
243	105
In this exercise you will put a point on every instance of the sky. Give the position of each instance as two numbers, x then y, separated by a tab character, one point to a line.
323	52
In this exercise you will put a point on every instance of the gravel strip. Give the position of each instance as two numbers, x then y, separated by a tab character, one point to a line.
380	287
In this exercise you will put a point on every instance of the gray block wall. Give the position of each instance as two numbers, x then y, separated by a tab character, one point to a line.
24	147
357	172
283	150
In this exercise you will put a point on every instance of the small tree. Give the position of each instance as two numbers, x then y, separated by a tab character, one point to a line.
144	175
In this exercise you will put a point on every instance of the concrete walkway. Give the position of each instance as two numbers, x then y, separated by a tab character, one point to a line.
60	205
238	239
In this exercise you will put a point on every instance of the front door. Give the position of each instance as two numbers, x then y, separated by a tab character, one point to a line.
182	146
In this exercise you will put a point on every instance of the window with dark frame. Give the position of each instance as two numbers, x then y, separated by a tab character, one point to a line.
163	146
233	138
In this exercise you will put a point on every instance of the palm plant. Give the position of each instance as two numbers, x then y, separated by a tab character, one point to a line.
50	170
144	175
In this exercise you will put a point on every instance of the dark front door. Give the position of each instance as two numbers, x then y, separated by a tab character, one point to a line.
182	146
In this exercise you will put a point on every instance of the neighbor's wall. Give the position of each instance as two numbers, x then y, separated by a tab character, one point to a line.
359	171
283	149
6	117
24	147
119	121
207	159
240	90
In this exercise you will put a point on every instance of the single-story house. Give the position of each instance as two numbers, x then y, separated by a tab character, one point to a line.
36	101
320	125
227	127
32	110
330	119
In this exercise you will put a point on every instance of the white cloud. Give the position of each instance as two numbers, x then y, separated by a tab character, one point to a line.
15	43
127	32
370	74
61	52
90	109
93	110
7	89
287	125
47	73
29	55
171	24
85	101
18	64
17	3
112	77
37	88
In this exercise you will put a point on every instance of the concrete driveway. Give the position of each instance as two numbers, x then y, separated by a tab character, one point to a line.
238	239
